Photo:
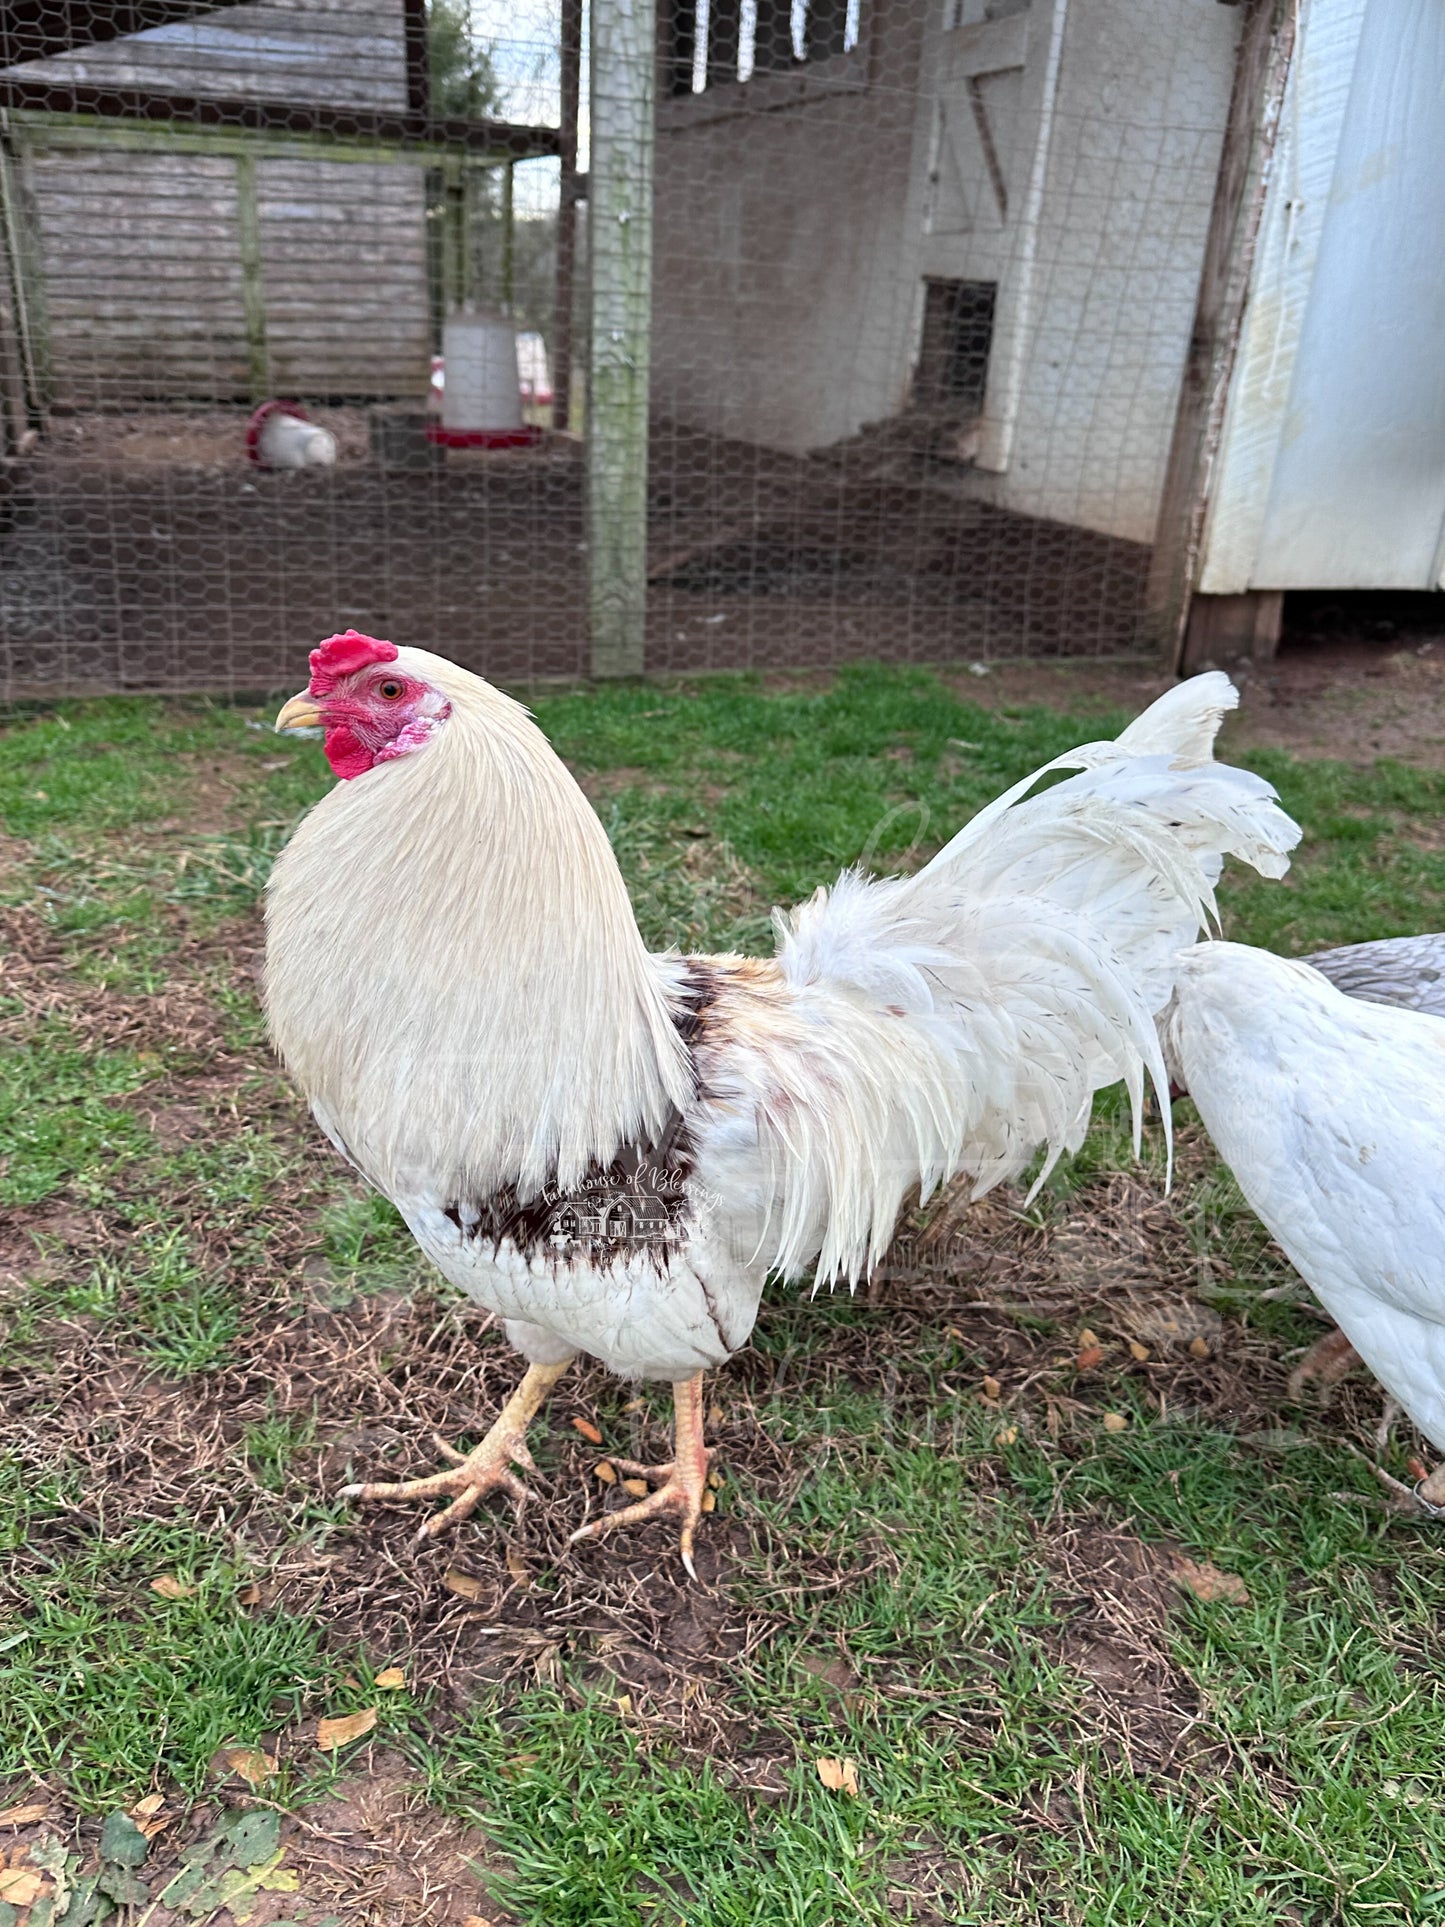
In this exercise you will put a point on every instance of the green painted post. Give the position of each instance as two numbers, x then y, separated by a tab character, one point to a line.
24	267
253	287
619	191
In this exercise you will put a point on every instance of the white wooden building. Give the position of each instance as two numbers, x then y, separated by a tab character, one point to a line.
1185	246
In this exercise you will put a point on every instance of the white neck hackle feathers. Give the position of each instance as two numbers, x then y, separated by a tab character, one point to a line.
454	974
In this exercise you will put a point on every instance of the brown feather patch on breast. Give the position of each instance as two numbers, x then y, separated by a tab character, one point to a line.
637	1205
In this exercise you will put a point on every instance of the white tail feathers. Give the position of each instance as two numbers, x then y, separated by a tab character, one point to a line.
994	992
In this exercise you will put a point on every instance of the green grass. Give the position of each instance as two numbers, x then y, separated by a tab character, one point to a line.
992	1787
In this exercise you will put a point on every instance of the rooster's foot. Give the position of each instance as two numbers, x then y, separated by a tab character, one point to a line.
487	1468
685	1484
1326	1362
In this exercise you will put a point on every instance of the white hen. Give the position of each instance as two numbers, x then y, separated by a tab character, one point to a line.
611	1150
1330	1112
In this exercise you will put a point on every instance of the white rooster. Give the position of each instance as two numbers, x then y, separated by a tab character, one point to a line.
1330	1112
610	1149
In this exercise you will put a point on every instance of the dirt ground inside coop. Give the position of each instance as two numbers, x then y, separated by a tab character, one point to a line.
143	551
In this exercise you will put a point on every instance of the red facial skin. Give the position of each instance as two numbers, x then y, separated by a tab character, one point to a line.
372	712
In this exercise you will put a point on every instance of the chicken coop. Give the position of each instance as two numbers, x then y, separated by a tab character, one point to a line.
935	330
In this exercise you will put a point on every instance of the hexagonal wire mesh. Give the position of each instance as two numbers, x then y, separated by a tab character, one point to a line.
923	276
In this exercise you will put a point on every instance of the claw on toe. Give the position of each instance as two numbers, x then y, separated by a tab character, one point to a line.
685	1496
471	1477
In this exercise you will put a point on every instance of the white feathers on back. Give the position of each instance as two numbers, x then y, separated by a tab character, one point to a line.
1330	1112
976	1007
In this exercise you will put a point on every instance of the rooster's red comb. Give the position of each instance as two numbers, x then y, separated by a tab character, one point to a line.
343	655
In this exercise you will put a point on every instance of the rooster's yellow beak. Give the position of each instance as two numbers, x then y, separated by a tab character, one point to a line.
302	712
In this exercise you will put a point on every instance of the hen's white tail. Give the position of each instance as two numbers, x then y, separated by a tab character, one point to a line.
1019	972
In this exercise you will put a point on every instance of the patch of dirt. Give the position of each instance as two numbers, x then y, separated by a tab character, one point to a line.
372	1852
1118	1593
1354	701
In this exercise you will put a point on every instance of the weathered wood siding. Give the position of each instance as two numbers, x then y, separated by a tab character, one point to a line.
336	52
141	266
343	260
141	257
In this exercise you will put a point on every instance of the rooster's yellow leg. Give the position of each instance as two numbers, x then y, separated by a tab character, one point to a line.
486	1468
686	1477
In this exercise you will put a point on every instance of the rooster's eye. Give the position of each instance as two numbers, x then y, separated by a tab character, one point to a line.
391	690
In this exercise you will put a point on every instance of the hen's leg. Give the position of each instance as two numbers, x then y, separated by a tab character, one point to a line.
1327	1360
487	1467
685	1487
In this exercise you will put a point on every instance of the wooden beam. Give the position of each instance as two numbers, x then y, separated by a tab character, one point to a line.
500	138
163	137
253	290
1262	65
562	326
620	176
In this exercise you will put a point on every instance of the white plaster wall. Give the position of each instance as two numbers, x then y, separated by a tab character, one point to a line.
781	314
1139	118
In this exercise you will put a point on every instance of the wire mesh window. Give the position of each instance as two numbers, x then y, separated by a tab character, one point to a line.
918	282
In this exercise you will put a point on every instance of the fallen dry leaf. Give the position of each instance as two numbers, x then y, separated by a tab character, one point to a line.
25	1816
463	1584
1208	1582
1198	1348
169	1587
249	1596
839	1776
1115	1422
248	1762
1089	1357
143	1809
331	1734
390	1679
606	1471
992	1388
518	1568
637	1487
588	1430
21	1887
475	1920
1137	1351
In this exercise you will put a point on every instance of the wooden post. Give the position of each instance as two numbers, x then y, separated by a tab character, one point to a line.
619	201
23	267
509	235
1262	66
1223	628
562	334
253	288
454	236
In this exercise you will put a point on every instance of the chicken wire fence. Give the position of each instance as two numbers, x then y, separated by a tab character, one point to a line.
769	333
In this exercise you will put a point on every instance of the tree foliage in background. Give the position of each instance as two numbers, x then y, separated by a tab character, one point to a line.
464	83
